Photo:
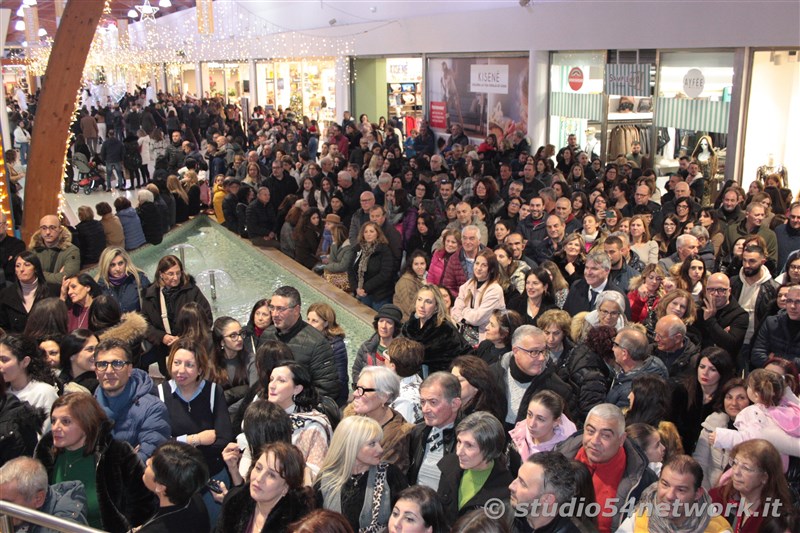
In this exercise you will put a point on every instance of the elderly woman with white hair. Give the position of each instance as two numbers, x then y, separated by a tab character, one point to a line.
373	394
149	216
609	310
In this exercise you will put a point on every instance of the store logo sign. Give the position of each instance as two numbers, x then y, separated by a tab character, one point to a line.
628	80
488	79
575	78
693	83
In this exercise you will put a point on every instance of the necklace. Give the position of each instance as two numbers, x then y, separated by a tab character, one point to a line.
82	317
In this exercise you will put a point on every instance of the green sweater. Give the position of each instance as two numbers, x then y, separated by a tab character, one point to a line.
471	483
74	466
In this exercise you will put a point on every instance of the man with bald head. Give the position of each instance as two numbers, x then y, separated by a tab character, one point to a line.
367	201
722	321
673	347
52	243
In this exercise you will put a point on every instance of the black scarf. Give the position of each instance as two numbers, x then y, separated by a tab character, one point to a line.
517	373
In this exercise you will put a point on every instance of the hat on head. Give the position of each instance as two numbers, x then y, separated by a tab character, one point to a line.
391	312
333	219
339	195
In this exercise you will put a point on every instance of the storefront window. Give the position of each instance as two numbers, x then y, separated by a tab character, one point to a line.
229	81
181	79
692	113
576	99
771	134
307	87
404	90
629	81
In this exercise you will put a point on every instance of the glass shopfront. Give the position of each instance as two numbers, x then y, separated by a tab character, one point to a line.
307	87
576	99
693	112
181	79
773	108
229	81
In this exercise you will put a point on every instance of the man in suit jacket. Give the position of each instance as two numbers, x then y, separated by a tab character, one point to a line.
584	292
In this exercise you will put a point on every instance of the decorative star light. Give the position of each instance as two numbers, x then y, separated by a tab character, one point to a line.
146	11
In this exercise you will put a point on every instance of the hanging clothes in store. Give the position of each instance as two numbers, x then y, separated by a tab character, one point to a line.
620	140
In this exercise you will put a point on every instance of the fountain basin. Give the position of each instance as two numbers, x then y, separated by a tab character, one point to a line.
244	274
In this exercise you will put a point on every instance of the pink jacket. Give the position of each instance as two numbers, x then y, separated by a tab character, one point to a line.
526	447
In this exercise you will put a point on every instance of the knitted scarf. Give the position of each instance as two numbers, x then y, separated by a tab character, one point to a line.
367	249
661	524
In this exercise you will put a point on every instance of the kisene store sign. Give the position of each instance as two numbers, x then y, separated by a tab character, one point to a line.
488	79
628	80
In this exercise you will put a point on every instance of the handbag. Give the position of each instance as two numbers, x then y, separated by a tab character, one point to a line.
339	280
380	482
470	333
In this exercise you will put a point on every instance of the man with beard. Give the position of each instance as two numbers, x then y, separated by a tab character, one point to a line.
754	289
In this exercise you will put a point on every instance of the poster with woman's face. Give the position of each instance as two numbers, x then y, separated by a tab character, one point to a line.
482	98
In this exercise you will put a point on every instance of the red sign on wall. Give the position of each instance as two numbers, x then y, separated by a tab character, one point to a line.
438	115
575	78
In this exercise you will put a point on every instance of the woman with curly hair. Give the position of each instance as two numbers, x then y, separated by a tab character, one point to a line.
645	292
307	235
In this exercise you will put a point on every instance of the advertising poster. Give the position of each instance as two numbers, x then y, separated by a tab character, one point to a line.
485	94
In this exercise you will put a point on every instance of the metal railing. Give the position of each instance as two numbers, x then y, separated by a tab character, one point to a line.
32	516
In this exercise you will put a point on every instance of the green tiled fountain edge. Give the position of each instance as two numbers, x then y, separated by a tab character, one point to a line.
256	274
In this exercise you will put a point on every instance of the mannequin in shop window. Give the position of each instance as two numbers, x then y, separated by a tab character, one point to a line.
771	168
706	159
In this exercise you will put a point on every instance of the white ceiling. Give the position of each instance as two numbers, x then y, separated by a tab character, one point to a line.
310	14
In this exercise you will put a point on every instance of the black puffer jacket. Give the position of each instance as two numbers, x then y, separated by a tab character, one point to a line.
151	222
378	277
124	500
13	315
775	337
20	424
588	376
91	241
151	308
442	343
313	351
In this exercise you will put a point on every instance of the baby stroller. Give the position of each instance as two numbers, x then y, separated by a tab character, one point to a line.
89	177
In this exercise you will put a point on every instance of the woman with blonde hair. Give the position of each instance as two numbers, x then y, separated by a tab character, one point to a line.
192	187
322	317
639	234
353	480
431	326
181	198
571	259
645	292
340	255
121	279
478	297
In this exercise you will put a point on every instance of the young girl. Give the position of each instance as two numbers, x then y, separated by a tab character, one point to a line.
774	416
649	440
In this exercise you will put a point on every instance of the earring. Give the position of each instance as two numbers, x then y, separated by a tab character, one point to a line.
293	397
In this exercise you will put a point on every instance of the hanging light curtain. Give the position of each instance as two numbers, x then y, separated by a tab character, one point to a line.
205	17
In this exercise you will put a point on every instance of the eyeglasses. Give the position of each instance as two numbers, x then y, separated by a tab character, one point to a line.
660	337
604	312
716	290
116	364
49	228
618	345
361	391
792	303
794	268
533	354
734	464
235	336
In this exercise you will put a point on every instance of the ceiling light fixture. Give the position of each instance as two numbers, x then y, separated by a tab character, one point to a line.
164	3
146	11
132	13
21	10
19	25
29	3
42	32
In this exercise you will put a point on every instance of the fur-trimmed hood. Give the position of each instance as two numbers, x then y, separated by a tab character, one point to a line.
64	241
132	328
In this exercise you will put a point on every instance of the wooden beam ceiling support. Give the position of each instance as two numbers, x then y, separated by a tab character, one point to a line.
54	111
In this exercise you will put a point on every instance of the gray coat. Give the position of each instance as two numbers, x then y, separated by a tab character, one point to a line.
621	386
66	500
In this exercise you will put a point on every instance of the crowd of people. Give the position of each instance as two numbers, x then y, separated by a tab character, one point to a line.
548	331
